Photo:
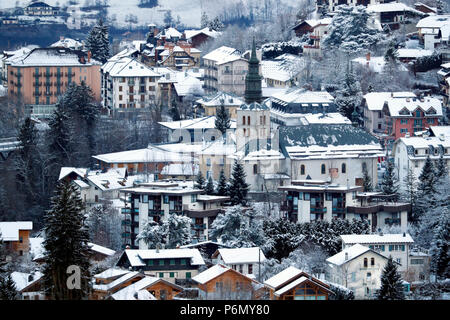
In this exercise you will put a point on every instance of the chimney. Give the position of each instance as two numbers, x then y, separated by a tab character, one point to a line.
89	55
404	234
392	94
346	256
368	56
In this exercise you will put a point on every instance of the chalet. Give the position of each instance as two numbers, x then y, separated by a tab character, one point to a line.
396	245
180	57
244	260
208	105
120	284
408	55
173	265
198	37
294	284
317	33
40	8
434	31
24	280
206	248
393	14
357	268
419	6
15	236
222	282
304	27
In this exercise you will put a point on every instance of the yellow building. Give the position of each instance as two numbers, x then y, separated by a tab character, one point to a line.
207	106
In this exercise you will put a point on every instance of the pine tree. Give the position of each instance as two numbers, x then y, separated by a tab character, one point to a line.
209	188
66	244
8	289
59	138
238	187
439	250
204	20
199	181
97	42
391	283
222	187
389	184
222	122
367	181
227	225
216	24
349	98
441	168
168	19
153	234
427	179
391	54
410	194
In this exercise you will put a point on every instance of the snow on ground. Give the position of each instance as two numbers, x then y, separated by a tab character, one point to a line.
188	10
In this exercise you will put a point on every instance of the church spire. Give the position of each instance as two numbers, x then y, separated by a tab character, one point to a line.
253	91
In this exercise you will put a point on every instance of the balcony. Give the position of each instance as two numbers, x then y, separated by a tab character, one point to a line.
391	221
129	210
199	226
37	74
338	210
126	234
156	212
50	74
126	222
318	210
37	84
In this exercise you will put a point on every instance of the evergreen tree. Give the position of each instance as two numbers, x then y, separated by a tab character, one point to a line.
441	168
367	181
238	187
439	250
59	138
282	237
391	54
391	283
389	184
8	289
209	188
227	225
168	19
222	122
199	181
216	24
66	244
204	20
175	113
427	178
349	98
153	234
410	194
222	187
97	42
27	160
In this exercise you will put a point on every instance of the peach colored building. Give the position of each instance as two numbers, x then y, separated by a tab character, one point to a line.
43	75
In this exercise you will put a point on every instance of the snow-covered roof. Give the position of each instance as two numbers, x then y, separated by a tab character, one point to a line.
376	238
376	64
375	100
189	85
67	43
65	171
348	254
210	273
147	155
299	95
100	249
136	291
210	198
291	285
126	277
434	21
218	147
264	154
242	255
406	106
413	53
9	231
197	123
324	118
207	31
111	273
392	7
54	57
172	33
425	143
228	99
440	130
180	169
22	279
274	70
135	257
282	277
223	55
128	67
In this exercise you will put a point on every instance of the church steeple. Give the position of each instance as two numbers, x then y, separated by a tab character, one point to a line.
253	91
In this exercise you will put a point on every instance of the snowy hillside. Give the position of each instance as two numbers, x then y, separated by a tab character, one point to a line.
188	10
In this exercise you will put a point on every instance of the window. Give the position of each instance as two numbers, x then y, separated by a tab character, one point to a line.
430	121
188	275
399	260
20	253
343	168
193	198
120	88
255	169
416	261
323	168
166	199
403	121
365	262
243	122
302	169
219	285
172	262
150	263
241	268
248	120
21	240
368	275
372	261
250	269
161	274
307	196
183	262
96	198
418	113
161	262
171	274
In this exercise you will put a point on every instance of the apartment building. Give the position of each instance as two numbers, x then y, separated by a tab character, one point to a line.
156	201
43	75
310	200
127	84
225	70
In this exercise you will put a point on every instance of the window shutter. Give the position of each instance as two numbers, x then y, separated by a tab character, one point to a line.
390	247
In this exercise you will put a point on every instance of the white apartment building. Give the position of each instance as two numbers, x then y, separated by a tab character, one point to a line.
398	246
412	152
244	260
225	70
357	268
127	83
157	200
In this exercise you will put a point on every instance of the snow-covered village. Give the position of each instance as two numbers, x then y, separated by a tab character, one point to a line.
224	150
